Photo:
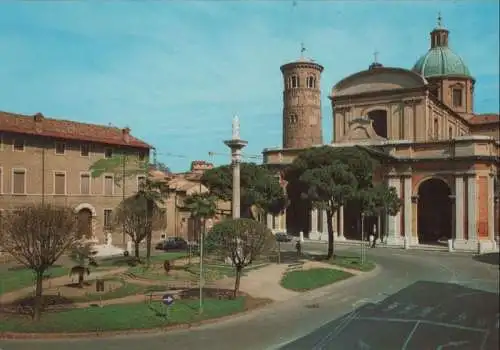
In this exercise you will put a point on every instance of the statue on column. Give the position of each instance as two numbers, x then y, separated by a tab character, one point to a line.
236	128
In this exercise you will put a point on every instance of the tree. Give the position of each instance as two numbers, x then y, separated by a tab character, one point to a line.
379	199
260	187
202	206
329	188
123	167
36	236
83	254
135	214
243	240
328	177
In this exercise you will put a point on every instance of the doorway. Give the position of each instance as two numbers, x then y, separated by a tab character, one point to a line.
85	223
434	212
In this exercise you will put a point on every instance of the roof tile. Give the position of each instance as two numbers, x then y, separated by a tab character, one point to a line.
69	130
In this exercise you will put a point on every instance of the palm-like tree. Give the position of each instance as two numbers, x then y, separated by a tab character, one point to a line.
202	206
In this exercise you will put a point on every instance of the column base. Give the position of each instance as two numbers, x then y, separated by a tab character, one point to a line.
340	238
487	246
469	245
397	241
318	236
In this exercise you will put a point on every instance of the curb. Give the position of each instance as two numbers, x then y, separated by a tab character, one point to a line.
104	334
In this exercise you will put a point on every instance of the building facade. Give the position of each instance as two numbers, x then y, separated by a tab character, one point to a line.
442	158
48	160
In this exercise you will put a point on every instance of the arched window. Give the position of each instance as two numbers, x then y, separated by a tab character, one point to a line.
292	118
311	82
293	82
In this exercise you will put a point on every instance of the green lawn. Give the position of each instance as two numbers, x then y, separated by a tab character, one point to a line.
125	260
302	280
125	290
122	317
18	278
353	262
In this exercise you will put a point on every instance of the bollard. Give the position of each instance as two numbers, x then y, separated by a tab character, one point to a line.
406	243
301	236
450	245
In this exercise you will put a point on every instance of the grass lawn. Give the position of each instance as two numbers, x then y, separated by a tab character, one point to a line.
17	278
125	290
121	317
353	262
302	280
125	260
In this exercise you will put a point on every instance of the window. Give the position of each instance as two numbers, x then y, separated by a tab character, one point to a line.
108	217
293	118
457	97
19	181
450	132
84	183
18	145
59	183
1	180
85	150
60	147
108	153
141	156
293	82
436	128
1	142
141	180
311	82
108	185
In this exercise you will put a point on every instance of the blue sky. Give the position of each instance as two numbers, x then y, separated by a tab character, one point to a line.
176	72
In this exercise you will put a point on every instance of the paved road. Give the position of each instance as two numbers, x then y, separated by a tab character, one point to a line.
416	296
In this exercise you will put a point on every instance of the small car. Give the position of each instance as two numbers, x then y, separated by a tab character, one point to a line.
172	243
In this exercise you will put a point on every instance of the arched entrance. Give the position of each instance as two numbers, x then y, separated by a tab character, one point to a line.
379	118
85	223
434	211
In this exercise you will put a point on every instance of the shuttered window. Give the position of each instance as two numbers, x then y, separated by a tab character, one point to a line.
60	183
19	182
108	216
85	184
108	185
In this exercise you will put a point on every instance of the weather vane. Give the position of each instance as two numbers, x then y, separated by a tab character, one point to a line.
302	49
375	56
440	19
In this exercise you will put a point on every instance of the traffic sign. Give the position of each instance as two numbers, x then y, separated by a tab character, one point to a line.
168	299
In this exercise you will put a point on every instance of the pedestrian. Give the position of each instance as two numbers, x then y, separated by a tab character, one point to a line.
298	246
374	240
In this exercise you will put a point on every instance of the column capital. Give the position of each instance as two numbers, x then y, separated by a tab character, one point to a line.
465	174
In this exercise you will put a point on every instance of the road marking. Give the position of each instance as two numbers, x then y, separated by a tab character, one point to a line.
407	341
442	324
453	343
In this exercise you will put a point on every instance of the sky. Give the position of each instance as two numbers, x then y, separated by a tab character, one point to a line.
176	72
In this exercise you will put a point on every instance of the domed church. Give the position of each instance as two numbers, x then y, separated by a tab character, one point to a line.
442	158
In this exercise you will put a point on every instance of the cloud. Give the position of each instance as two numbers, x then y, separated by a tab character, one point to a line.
176	72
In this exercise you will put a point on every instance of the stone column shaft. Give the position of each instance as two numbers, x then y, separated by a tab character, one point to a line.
314	220
340	220
394	222
408	208
491	208
459	208
269	221
236	189
471	207
324	216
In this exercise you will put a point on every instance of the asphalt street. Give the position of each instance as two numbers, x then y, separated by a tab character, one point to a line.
416	300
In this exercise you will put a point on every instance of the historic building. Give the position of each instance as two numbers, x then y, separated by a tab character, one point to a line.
442	157
45	159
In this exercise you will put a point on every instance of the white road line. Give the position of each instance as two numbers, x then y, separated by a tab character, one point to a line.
407	341
433	323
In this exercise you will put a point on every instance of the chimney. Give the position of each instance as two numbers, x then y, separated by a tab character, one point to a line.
126	134
38	118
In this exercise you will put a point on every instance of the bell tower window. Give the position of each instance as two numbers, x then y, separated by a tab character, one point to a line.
293	82
311	82
292	118
457	97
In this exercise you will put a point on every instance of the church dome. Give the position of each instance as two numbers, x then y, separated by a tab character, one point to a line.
441	61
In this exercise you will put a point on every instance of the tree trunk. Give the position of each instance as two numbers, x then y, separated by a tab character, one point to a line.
239	269
331	236
37	310
149	235
80	278
136	249
148	247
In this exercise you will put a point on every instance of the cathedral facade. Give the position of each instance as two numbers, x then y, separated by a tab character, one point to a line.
443	158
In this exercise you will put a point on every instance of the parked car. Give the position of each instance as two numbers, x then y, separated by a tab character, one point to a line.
283	237
172	243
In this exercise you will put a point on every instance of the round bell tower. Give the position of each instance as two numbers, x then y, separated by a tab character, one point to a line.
302	104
